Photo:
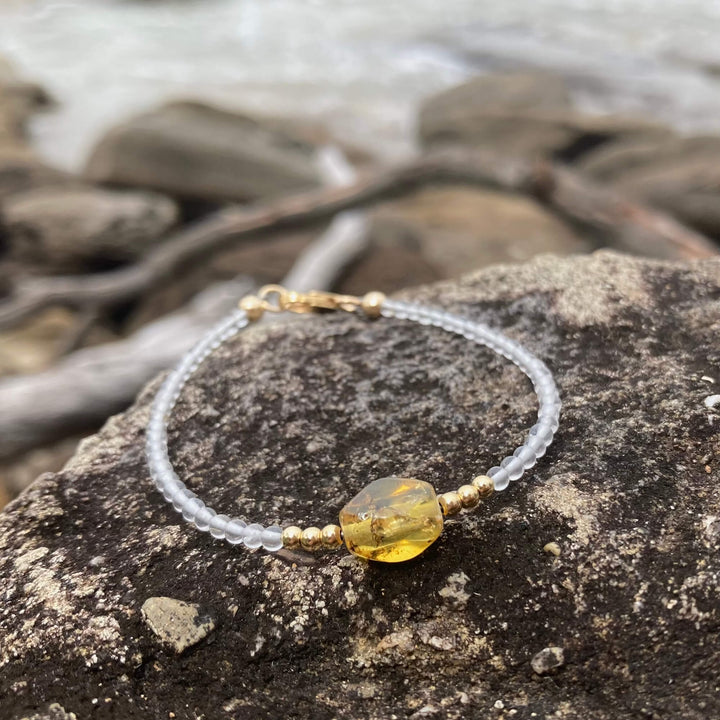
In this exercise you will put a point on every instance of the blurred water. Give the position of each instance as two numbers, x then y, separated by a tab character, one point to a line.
361	65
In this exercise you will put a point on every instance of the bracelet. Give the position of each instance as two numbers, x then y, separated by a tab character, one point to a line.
392	519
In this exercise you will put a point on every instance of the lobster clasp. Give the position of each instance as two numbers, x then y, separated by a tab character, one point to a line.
305	302
276	299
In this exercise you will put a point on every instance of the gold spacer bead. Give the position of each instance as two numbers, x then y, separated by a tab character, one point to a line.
485	486
450	503
253	307
311	538
469	496
372	303
331	536
291	536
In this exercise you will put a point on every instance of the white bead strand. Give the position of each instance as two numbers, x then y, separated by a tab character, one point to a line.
236	531
541	434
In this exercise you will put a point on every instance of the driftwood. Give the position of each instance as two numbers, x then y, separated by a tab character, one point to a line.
319	265
620	223
89	385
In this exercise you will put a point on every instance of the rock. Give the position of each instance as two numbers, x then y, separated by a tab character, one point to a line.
53	712
552	548
19	100
36	344
522	114
20	169
681	176
176	623
22	172
4	495
289	421
74	229
315	132
547	660
19	472
454	230
195	151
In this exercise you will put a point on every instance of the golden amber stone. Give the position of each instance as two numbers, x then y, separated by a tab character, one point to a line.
392	519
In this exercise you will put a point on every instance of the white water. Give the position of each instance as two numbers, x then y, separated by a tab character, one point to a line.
362	65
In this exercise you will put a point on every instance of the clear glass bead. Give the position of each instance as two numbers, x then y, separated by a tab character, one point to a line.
203	517
512	466
180	498
235	531
271	538
499	477
191	508
218	526
253	535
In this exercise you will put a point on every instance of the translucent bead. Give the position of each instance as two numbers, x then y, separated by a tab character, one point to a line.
542	432
191	508
526	456
499	477
271	538
536	442
203	517
253	535
168	490
512	466
180	498
235	531
218	526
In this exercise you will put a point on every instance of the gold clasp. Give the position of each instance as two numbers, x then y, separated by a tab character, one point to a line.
305	302
276	299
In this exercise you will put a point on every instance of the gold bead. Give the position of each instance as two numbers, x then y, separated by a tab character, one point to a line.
485	486
469	496
450	503
331	536
311	538
372	303
291	536
253	307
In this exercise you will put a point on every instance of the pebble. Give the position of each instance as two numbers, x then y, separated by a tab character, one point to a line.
552	548
176	623
548	659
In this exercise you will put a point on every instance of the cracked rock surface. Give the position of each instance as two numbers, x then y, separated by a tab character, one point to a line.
287	422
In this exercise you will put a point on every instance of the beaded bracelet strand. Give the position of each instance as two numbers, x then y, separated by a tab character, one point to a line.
392	519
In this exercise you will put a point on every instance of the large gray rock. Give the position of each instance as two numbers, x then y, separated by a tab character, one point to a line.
287	422
197	151
65	229
523	114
